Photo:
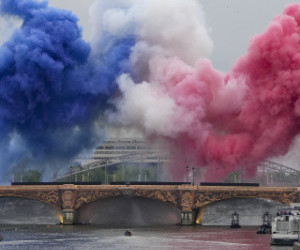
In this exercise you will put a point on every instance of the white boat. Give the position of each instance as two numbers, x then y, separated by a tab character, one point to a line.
286	227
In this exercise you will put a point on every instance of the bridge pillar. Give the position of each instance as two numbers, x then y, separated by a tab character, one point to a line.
187	218
68	216
68	196
187	213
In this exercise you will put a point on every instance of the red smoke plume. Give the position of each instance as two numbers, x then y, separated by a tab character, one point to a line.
268	117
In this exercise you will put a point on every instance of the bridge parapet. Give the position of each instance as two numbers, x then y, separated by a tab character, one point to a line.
207	195
70	198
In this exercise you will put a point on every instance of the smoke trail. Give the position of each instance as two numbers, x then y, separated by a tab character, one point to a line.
52	88
224	121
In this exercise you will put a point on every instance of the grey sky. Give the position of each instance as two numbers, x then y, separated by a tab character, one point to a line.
234	22
231	23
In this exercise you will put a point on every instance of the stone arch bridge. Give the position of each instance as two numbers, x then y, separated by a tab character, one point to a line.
189	199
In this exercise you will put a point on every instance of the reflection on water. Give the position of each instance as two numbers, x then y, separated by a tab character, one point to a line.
167	237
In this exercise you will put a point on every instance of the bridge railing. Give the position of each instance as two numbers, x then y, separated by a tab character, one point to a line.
274	174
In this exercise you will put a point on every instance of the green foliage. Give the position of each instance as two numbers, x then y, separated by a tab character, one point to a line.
98	175
32	176
27	176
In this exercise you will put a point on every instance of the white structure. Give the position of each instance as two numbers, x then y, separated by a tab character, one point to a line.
121	151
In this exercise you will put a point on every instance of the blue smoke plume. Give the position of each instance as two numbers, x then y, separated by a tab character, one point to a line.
52	90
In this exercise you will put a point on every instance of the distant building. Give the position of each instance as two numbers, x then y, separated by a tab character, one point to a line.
120	152
122	147
129	148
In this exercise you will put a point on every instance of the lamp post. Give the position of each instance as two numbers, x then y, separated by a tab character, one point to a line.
187	173
105	174
193	168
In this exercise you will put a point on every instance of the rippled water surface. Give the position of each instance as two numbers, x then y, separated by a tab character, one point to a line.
170	237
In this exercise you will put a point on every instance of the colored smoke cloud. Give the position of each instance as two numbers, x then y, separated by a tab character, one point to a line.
53	89
223	121
145	67
269	116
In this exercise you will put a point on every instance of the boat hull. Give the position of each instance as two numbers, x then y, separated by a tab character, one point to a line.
284	240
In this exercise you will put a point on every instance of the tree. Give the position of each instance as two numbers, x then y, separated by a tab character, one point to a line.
32	176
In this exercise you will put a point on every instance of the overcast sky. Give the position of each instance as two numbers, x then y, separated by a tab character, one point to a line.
231	25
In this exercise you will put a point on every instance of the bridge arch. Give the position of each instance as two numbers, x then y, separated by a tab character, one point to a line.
207	203
171	199
45	200
250	209
26	210
209	196
128	210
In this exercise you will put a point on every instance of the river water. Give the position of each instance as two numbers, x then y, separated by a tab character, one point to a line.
16	213
163	237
